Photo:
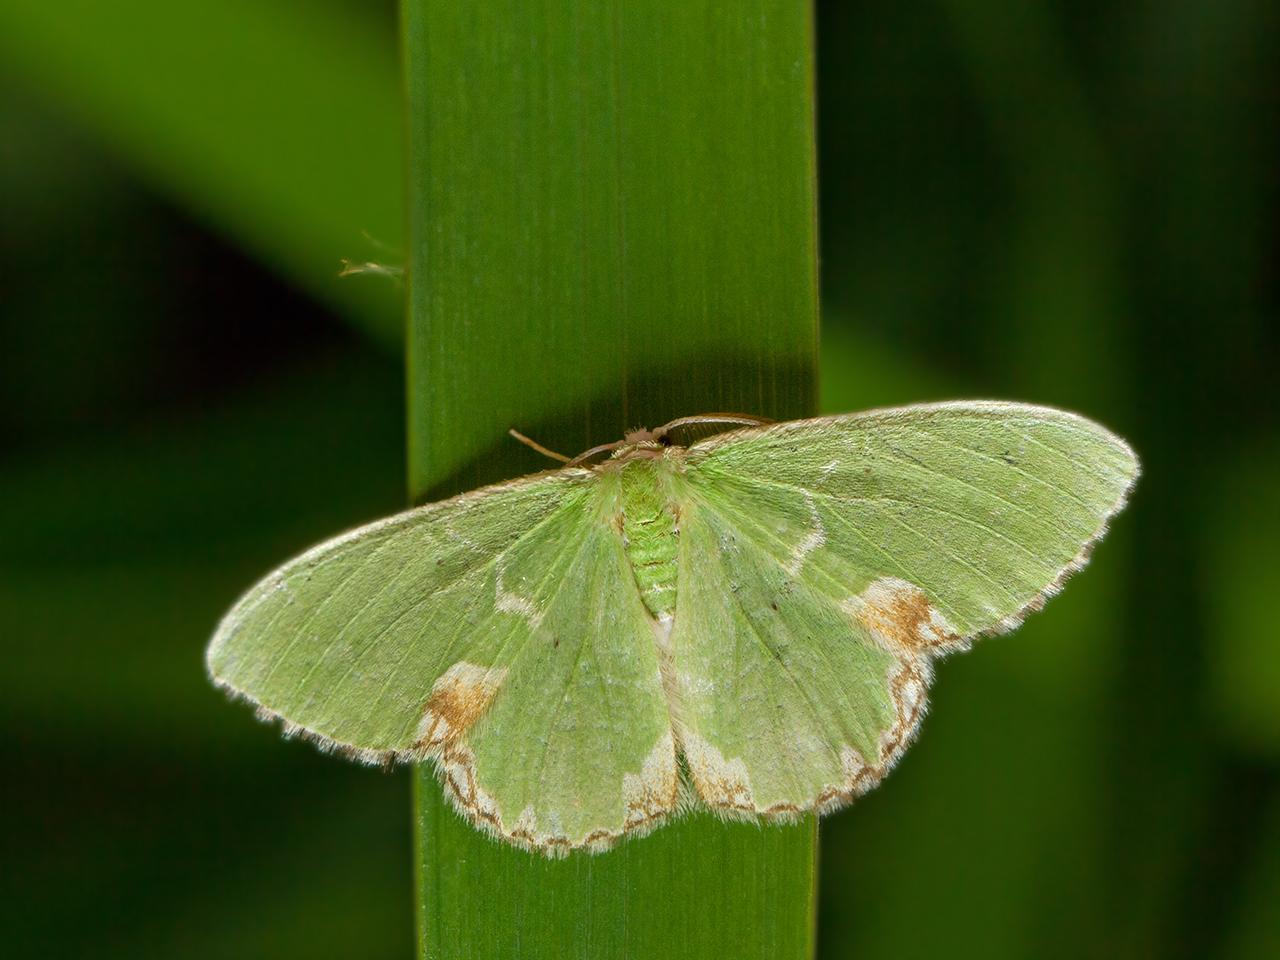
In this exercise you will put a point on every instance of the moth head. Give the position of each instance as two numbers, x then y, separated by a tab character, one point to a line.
639	445
642	443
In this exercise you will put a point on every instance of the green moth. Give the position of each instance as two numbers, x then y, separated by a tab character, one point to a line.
745	621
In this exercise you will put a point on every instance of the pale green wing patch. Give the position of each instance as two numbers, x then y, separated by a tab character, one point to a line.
850	550
499	634
987	507
578	748
786	703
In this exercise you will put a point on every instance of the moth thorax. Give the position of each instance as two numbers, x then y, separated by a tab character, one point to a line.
649	533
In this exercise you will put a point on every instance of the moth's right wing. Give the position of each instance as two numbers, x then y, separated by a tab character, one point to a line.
499	634
824	563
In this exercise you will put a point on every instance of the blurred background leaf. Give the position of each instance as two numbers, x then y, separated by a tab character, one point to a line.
1064	203
274	122
1242	573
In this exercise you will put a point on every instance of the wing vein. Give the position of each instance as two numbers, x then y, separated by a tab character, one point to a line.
770	650
301	629
899	566
800	687
492	616
986	456
555	715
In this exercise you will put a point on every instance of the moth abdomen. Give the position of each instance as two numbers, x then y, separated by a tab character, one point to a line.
649	533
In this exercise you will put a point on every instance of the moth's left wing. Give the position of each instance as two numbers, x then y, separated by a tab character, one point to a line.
498	635
824	562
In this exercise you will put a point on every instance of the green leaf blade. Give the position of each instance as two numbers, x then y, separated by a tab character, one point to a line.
612	223
274	123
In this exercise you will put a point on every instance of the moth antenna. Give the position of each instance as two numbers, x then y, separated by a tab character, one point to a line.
588	454
537	446
716	419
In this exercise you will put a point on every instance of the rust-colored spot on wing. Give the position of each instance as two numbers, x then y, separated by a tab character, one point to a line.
458	699
458	772
901	619
722	784
650	795
908	684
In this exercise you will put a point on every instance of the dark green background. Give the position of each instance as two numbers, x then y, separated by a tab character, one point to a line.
1068	203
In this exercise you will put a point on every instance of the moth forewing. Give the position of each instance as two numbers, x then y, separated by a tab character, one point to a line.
325	631
985	506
